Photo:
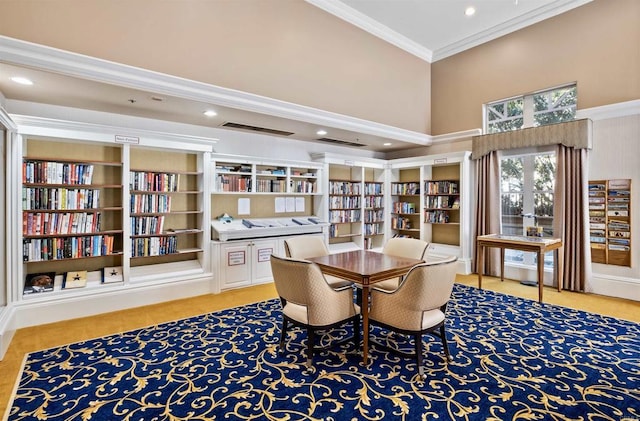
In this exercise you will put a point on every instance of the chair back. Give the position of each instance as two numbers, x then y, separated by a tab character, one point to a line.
428	286
305	246
406	247
302	283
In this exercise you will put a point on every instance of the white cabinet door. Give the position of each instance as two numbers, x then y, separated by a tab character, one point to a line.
235	264
262	251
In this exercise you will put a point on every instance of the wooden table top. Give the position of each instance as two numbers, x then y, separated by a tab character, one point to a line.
520	241
364	266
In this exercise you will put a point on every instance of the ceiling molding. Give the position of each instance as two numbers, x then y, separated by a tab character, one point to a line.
620	109
46	58
52	127
364	22
456	136
507	27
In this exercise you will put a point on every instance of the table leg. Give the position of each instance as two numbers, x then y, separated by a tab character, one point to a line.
540	273
365	323
556	269
501	264
480	264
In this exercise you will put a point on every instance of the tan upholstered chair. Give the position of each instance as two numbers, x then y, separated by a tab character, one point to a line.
402	247
306	246
308	301
417	306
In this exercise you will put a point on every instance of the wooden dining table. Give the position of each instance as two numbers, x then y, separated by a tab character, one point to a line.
365	268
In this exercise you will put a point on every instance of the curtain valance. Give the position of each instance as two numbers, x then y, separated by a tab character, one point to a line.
576	134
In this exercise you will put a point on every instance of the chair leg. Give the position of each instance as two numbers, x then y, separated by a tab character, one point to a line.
310	340
418	350
283	333
445	345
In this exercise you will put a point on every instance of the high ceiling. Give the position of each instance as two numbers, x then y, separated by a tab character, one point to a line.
429	29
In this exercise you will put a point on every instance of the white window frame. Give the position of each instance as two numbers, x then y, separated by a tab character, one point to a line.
528	108
528	204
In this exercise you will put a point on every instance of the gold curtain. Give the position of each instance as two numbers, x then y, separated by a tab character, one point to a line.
575	134
571	217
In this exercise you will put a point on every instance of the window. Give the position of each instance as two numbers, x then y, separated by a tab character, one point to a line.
538	109
527	185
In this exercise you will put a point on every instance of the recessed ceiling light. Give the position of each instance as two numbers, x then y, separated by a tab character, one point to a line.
387	144
321	132
470	11
22	80
210	113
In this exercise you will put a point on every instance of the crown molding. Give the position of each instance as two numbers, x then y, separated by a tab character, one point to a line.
364	22
52	127
456	136
620	109
46	58
512	25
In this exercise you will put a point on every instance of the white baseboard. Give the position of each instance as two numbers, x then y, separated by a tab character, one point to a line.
615	286
7	329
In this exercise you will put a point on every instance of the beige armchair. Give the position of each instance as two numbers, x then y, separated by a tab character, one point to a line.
402	247
308	301
306	246
417	306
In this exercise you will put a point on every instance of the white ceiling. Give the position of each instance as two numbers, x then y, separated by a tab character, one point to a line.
429	29
435	29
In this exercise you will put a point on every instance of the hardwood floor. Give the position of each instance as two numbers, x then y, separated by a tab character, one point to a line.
46	336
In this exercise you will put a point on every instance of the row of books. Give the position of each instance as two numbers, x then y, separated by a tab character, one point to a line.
153	181
344	187
442	202
150	203
436	217
43	198
371	215
400	223
46	223
403	207
441	187
271	186
233	183
344	216
373	229
373	201
373	188
41	249
303	186
50	172
405	188
45	281
244	168
344	202
154	246
147	225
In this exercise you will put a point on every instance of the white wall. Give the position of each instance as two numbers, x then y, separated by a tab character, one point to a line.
616	154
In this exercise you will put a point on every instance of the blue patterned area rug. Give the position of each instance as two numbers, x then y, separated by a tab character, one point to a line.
513	359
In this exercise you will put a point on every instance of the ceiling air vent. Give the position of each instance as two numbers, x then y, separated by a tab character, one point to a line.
340	142
241	126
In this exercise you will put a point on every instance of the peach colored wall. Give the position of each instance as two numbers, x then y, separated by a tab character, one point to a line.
284	49
596	45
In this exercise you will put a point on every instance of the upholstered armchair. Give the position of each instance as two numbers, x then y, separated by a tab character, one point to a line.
306	246
402	247
417	306
309	302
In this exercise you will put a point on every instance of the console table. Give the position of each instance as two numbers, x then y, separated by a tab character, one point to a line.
539	245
